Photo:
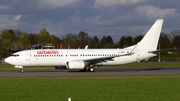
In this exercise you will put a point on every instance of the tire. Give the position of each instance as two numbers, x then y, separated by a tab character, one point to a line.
21	71
91	69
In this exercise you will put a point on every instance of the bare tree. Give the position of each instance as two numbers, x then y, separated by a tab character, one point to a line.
18	34
33	38
176	39
71	39
165	41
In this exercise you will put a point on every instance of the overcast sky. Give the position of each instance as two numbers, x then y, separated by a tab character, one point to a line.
96	17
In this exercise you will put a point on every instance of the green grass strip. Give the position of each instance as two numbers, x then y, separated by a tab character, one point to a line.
136	88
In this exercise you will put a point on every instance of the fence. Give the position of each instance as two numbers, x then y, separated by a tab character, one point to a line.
2	61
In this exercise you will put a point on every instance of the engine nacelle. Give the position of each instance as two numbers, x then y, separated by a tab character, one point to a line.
60	67
76	64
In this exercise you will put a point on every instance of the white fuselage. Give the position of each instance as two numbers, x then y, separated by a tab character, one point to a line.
59	57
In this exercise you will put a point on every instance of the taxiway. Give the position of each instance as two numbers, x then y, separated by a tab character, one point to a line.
98	72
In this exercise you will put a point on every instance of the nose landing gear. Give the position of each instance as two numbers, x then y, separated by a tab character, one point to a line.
21	67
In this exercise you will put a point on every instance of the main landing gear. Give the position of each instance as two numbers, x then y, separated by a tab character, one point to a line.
21	70
90	69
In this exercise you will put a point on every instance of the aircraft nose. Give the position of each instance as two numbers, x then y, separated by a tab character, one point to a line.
7	60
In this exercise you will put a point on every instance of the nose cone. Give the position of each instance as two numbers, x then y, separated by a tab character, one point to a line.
7	60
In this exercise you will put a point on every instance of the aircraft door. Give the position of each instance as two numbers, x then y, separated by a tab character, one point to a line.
27	56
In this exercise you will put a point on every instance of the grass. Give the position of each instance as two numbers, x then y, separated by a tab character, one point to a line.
10	67
134	65
124	88
136	88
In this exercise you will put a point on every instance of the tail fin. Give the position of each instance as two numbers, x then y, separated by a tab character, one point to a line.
150	40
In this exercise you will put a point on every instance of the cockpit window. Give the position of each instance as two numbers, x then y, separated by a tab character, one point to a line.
15	55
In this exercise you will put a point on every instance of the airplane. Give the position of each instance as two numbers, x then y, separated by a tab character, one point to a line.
81	58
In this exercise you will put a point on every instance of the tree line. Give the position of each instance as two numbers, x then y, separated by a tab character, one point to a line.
14	39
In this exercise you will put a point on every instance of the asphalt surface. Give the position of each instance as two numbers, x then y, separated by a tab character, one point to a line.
98	72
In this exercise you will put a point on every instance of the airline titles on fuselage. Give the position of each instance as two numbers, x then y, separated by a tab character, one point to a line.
47	52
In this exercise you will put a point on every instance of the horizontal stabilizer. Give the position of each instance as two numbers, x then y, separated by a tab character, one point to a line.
156	51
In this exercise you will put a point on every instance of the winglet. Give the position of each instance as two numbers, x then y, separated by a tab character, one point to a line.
86	47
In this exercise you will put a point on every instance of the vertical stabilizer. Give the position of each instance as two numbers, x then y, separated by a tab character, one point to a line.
150	40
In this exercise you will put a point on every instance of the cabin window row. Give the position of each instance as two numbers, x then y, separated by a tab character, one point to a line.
96	54
48	55
99	54
75	55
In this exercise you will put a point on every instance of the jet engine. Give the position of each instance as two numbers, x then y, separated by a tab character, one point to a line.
76	64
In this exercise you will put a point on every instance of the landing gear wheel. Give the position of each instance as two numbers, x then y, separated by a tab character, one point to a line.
91	69
21	71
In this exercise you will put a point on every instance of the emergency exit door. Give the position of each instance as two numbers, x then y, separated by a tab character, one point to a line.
27	56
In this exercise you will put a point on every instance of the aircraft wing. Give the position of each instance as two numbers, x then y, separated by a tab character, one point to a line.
98	60
109	58
102	59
